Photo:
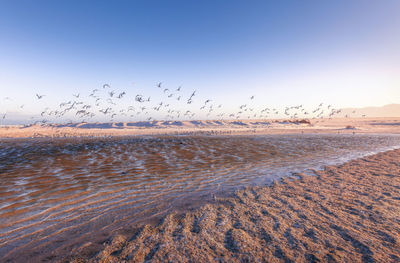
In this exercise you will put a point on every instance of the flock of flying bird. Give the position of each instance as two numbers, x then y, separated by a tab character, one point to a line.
105	102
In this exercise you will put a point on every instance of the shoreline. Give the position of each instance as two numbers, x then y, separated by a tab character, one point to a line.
344	213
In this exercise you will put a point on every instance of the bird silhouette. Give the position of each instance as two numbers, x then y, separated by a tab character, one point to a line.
121	95
139	98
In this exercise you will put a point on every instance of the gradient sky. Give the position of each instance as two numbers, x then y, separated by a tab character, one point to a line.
344	53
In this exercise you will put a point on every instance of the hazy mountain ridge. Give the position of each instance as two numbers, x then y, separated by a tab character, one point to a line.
390	110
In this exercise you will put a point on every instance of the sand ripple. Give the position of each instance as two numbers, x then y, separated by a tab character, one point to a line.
59	193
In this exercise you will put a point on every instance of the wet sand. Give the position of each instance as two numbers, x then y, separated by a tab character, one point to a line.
346	213
59	194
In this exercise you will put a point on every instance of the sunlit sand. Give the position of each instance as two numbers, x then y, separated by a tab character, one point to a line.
83	191
334	125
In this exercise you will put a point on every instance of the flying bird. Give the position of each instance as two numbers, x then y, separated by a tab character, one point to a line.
139	98
121	95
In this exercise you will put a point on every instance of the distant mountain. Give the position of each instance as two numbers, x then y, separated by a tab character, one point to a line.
390	110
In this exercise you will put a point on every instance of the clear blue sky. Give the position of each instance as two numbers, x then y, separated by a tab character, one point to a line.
345	53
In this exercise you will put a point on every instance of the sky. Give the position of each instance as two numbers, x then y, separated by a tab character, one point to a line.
285	53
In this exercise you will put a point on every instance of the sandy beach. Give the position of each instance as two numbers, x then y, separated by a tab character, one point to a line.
343	213
346	213
275	126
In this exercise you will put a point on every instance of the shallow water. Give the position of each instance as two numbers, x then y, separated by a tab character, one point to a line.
55	191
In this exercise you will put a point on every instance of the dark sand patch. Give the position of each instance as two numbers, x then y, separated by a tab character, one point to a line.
348	213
